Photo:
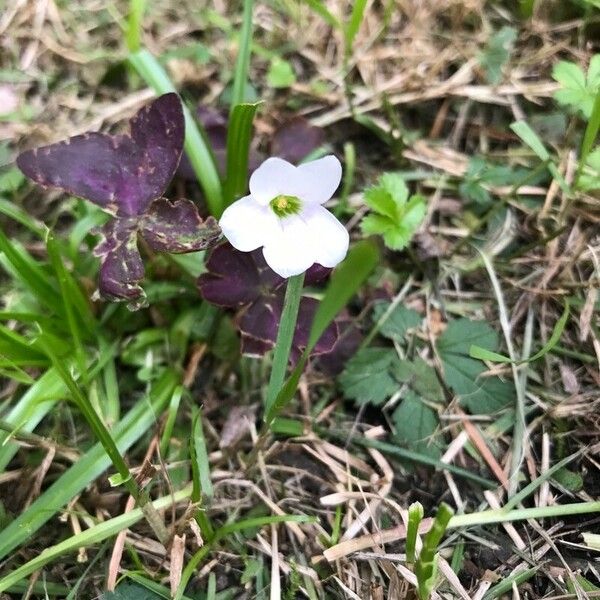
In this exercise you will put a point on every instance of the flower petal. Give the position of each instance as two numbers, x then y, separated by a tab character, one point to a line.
293	251
331	237
249	225
316	181
271	179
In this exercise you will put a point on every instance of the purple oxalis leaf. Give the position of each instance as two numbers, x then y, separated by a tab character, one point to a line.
122	174
177	227
122	269
244	280
236	278
259	325
126	175
295	139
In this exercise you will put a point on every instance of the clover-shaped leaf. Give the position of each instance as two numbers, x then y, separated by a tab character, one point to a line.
126	175
243	280
394	216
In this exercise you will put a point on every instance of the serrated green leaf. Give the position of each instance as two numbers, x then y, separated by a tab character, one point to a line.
398	322
578	91
569	75
425	381
367	377
481	395
395	217
593	74
415	425
376	224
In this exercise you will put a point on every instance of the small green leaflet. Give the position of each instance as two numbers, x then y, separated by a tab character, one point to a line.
415	426
483	354
497	53
394	216
480	175
481	395
578	92
280	73
368	376
398	322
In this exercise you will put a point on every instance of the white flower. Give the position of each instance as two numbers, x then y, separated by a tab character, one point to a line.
284	215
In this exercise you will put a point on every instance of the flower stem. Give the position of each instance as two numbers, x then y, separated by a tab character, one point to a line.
285	335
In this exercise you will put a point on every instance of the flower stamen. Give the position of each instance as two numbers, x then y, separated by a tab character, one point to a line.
284	206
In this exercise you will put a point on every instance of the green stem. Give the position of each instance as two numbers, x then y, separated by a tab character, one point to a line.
285	335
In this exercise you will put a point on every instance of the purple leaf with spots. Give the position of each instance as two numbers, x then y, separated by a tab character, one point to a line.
126	175
122	174
122	269
177	227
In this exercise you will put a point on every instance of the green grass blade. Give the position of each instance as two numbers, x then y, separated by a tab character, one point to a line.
26	414
89	537
200	462
589	137
530	137
133	33
239	136
198	152
319	7
16	213
353	25
170	422
226	530
346	280
409	455
488	355
95	461
31	275
242	63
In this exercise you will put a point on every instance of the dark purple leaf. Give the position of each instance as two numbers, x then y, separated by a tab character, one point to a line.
123	174
316	274
306	314
177	227
261	320
253	347
348	342
296	139
236	278
122	268
259	325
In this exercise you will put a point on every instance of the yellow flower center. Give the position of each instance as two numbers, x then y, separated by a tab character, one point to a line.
284	206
